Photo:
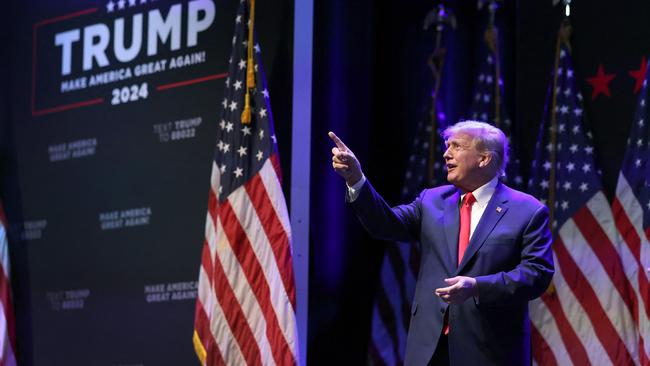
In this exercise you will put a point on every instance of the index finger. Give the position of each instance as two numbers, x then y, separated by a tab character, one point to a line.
337	141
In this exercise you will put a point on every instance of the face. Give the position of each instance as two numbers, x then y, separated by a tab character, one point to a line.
464	162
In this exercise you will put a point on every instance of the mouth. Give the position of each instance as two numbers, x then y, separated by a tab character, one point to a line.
450	167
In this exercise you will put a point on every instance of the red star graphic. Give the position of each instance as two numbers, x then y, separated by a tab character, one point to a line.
600	82
639	75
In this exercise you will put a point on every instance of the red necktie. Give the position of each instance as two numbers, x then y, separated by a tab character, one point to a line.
465	224
463	239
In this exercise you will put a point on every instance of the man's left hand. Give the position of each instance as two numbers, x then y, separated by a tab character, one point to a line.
461	288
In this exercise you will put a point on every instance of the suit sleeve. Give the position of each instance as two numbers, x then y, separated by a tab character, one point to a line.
399	223
530	278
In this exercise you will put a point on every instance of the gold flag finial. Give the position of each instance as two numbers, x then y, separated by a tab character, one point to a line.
250	67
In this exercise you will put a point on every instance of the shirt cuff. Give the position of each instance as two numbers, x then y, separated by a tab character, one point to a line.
353	192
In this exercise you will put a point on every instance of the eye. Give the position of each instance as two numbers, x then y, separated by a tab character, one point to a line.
453	146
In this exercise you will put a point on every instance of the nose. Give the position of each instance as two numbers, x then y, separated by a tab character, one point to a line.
447	154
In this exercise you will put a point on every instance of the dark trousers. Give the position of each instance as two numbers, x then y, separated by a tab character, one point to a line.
441	355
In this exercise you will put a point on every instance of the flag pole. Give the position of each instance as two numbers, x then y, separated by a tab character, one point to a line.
494	35
491	37
562	38
563	35
440	17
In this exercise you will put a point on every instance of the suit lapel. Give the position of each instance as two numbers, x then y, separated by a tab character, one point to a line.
451	225
495	210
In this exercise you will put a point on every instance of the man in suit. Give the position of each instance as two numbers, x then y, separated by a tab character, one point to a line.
486	251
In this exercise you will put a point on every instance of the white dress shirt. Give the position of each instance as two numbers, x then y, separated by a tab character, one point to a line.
482	195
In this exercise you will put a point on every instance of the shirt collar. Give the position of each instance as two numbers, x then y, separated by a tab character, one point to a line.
484	192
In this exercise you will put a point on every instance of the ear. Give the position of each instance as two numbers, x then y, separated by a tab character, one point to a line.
485	160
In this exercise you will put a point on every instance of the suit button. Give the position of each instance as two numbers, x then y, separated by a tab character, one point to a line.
442	310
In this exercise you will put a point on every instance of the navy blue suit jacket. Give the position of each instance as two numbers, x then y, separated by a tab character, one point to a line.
509	255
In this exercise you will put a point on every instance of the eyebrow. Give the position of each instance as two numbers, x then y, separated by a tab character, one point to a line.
458	141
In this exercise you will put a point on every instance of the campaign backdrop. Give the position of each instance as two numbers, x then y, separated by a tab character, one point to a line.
109	118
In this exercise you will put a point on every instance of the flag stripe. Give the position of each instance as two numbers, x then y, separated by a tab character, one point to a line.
275	161
211	223
578	319
218	320
643	357
204	336
587	262
629	217
636	273
542	352
603	248
585	294
272	183
621	310
626	228
7	349
4	253
7	324
278	241
219	326
547	347
576	350
629	220
252	270
630	267
251	223
209	308
630	210
201	322
624	224
7	320
229	302
243	292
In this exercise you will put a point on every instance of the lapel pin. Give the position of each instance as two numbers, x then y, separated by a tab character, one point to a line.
499	209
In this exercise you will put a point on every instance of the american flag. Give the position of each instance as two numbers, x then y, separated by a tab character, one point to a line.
391	311
7	321
631	209
488	103
587	314
245	311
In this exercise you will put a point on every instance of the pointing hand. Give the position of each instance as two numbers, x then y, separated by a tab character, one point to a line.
344	162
